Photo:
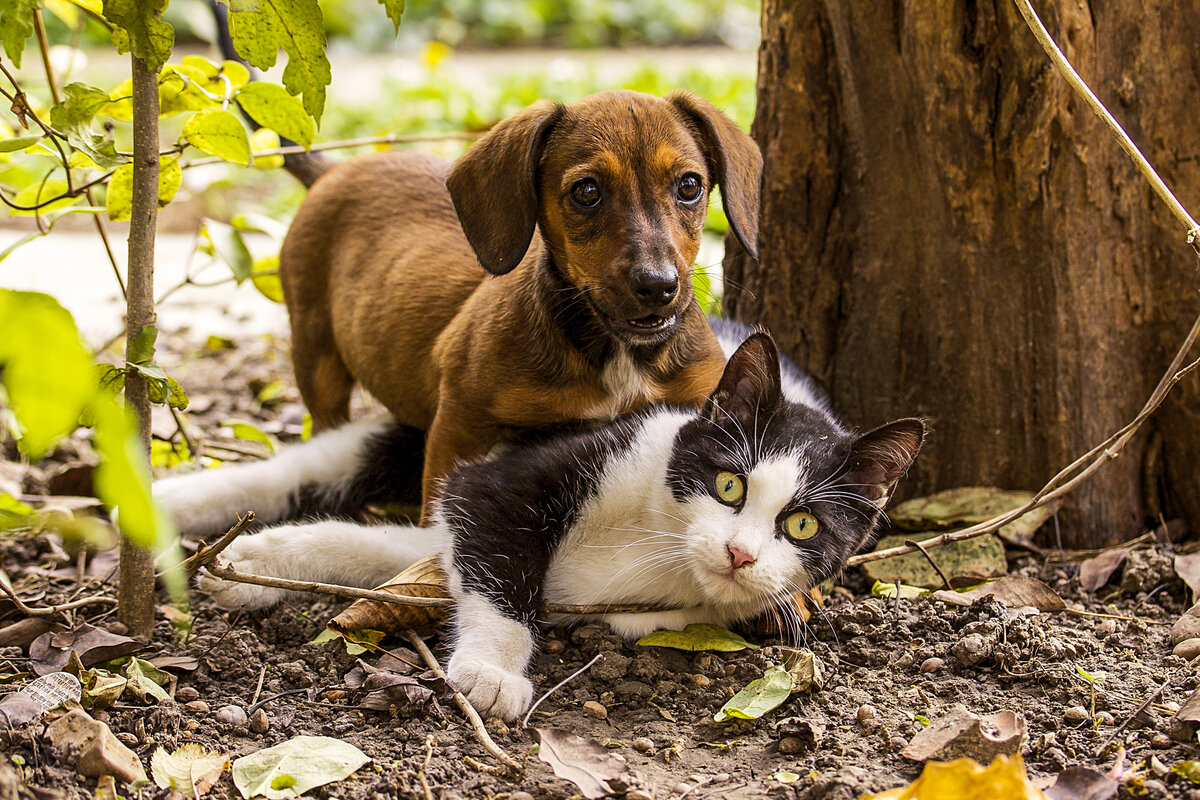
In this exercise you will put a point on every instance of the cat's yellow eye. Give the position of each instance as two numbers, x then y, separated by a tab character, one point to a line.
729	487
801	525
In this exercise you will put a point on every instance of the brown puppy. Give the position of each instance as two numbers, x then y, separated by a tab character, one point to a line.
588	219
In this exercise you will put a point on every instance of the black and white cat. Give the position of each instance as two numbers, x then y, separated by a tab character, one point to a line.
720	514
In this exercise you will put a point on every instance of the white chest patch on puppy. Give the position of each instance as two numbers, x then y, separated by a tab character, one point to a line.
627	387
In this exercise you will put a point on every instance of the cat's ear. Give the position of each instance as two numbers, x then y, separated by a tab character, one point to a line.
879	459
750	387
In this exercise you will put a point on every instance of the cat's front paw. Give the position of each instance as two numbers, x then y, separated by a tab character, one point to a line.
256	555
191	503
492	690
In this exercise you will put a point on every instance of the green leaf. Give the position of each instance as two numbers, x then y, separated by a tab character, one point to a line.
119	200
231	248
309	761
141	349
44	367
697	637
17	143
294	26
265	277
16	26
759	696
395	9
248	432
271	106
1188	769
890	590
141	30
41	192
185	88
219	133
74	115
123	477
13	512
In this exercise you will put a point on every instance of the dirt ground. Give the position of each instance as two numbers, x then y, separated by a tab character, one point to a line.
892	665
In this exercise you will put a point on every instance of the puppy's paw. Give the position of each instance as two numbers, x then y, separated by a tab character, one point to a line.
493	690
256	555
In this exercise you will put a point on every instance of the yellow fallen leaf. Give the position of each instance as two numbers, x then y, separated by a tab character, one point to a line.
966	779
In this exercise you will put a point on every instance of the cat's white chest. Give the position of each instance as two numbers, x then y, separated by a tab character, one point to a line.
627	542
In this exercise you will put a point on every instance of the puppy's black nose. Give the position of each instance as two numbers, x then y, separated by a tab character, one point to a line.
654	287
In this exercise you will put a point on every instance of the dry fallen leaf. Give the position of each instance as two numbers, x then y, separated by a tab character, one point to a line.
583	762
1094	572
964	779
961	733
1186	720
26	705
51	651
806	669
190	770
1188	569
1014	591
423	579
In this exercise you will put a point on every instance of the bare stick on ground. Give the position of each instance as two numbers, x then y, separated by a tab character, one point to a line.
472	715
208	553
228	573
49	610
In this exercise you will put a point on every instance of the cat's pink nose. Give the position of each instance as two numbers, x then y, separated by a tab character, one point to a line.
738	557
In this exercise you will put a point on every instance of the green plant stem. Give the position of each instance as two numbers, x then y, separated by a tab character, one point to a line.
135	594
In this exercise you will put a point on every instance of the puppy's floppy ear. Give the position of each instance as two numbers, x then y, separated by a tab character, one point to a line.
494	186
736	161
751	387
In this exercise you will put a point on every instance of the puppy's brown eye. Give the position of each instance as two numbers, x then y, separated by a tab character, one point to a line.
690	187
586	193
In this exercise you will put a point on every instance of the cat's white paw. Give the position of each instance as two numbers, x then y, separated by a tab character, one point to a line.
257	555
492	690
190	501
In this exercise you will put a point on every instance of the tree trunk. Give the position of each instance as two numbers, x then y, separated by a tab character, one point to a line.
135	594
947	230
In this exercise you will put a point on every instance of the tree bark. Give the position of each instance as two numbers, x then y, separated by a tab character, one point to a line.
947	230
135	594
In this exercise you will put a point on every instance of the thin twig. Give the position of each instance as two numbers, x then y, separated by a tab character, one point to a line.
49	610
472	715
932	563
559	685
262	675
392	138
1077	83
1100	615
208	553
1058	486
227	572
193	453
1184	670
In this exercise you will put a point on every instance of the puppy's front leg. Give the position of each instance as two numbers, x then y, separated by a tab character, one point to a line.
454	438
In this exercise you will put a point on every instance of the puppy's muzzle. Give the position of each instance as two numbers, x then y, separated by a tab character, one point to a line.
654	288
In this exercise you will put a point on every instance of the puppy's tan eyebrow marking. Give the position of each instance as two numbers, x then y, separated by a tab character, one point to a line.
604	166
667	159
